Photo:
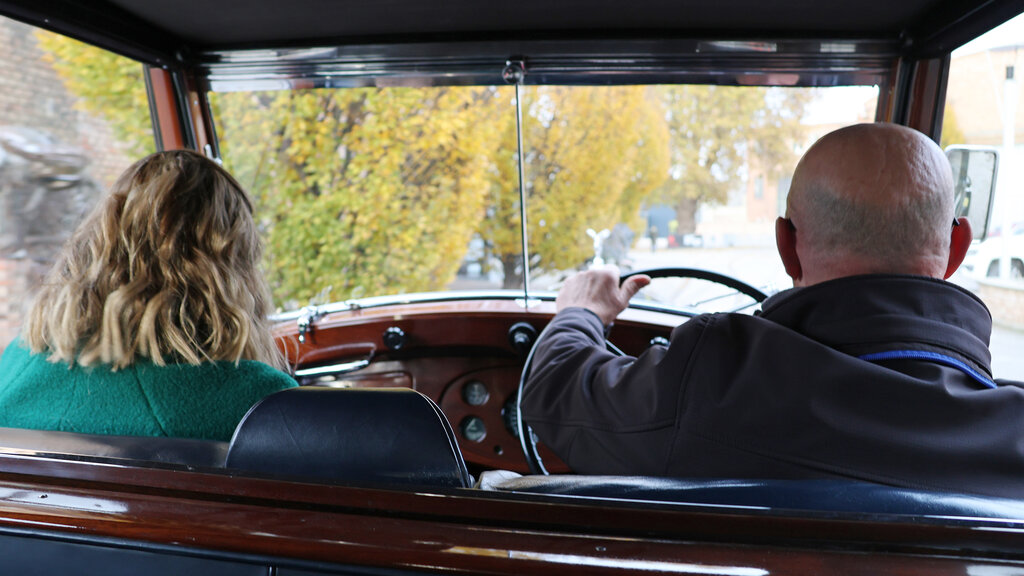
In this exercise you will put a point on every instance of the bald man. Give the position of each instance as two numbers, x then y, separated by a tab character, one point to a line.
872	367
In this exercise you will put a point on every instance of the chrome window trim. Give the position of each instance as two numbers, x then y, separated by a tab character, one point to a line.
415	298
453	296
826	62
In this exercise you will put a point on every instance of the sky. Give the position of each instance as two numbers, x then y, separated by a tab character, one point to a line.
839	105
1010	33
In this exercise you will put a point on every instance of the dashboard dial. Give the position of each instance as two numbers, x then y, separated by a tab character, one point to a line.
475	393
473	429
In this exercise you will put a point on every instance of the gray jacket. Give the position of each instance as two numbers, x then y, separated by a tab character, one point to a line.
879	378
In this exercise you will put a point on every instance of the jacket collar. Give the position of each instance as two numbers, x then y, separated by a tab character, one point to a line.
876	313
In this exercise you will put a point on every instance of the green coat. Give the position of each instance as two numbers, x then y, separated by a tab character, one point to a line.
180	400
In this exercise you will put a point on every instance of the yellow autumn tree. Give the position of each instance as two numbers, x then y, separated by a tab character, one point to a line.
107	85
592	155
362	191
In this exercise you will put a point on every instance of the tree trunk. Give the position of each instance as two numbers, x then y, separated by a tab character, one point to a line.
512	268
686	216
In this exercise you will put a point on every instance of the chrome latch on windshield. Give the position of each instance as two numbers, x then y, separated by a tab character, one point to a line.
309	315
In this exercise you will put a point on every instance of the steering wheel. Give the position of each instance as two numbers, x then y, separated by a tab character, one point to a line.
727	281
527	439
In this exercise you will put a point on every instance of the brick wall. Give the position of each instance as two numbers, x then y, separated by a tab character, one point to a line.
976	91
1006	301
33	95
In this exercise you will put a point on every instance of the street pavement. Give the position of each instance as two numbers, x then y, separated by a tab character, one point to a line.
1007	359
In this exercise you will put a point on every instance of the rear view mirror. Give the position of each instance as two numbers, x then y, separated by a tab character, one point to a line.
974	184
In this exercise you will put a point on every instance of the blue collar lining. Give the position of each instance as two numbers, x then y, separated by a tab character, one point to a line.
934	357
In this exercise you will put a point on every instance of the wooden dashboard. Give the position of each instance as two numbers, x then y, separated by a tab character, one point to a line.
463	354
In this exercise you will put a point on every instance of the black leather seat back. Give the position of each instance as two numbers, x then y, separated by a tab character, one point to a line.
827	495
352	436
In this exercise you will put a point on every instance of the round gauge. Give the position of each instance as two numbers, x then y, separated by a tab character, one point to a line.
475	393
473	429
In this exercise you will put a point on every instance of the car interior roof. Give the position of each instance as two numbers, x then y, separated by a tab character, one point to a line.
164	31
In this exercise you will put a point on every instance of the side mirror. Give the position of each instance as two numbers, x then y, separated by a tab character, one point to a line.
974	184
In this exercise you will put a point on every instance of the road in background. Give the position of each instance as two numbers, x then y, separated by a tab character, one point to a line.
758	265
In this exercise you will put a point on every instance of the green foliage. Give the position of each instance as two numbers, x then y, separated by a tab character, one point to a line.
107	85
362	191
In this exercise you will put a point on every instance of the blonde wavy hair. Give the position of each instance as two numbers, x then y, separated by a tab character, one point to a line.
165	268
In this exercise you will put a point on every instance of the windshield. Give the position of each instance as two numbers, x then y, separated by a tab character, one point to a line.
394	190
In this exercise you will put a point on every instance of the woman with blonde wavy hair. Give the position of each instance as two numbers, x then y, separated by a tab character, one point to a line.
152	322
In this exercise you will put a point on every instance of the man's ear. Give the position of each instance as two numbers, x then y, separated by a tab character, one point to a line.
959	243
785	240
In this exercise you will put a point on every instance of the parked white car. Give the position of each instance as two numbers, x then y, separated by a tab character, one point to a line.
985	259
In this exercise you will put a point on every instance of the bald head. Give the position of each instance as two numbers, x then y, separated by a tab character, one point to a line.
871	199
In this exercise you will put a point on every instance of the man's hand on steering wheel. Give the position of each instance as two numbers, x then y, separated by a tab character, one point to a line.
599	291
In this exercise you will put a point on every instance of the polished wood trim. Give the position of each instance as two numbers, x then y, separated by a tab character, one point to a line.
164	109
197	109
462	323
449	344
917	96
466	531
928	96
